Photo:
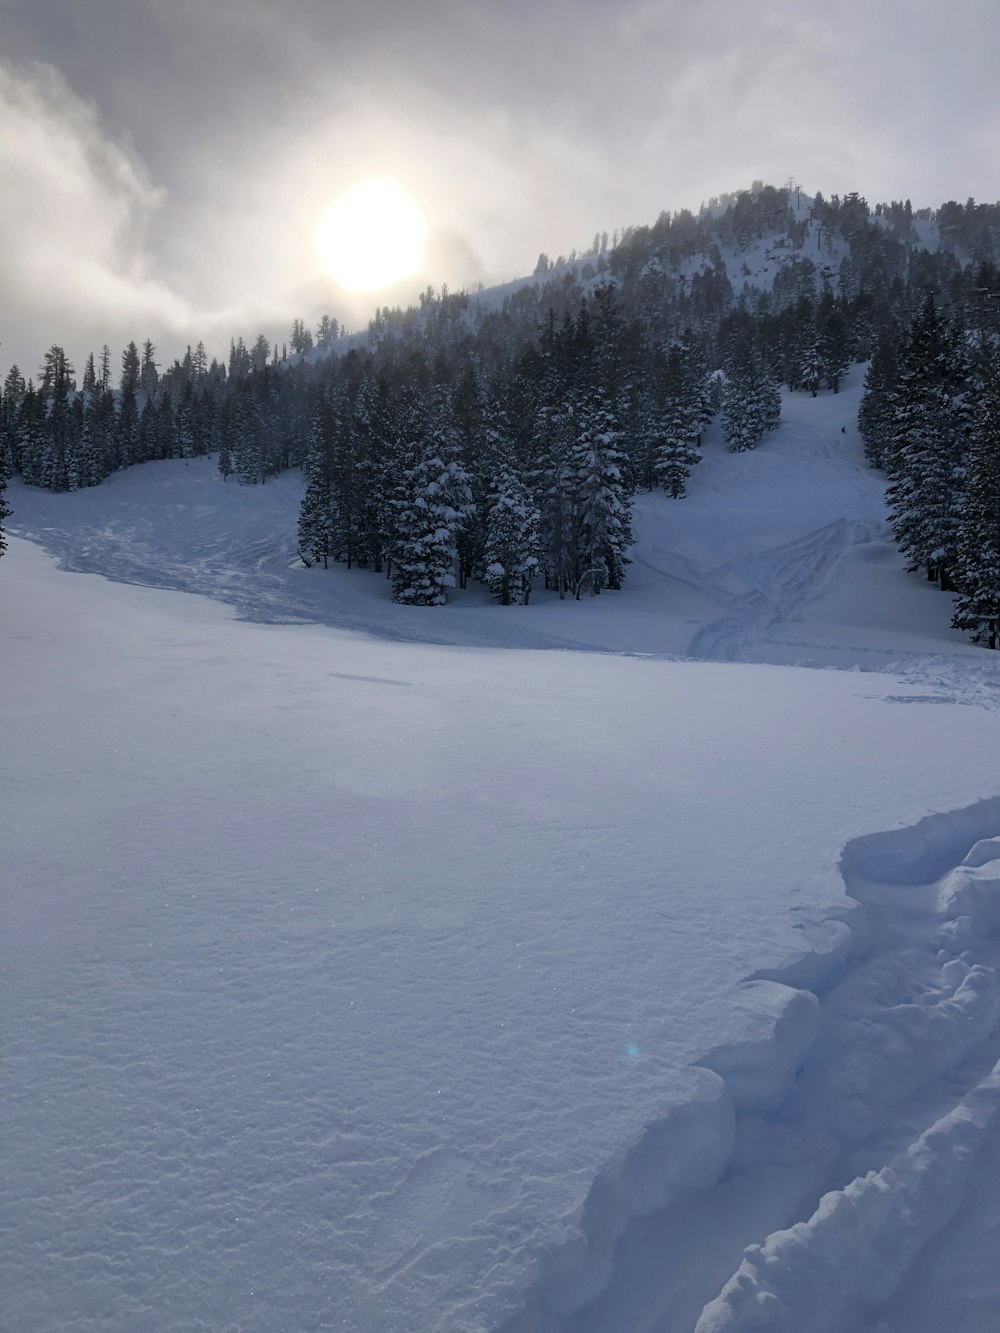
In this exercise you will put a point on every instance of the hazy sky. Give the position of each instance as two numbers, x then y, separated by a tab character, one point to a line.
163	162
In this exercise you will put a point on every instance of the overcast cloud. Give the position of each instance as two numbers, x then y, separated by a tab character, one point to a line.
162	165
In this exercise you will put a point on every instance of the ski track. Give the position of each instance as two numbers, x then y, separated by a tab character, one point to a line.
786	579
834	1141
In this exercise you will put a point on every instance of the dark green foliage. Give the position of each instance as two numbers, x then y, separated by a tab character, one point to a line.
977	563
877	413
926	456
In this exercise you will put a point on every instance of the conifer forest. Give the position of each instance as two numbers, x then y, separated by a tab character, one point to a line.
501	436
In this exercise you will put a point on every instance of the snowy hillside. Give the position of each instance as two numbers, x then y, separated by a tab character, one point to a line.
781	554
367	968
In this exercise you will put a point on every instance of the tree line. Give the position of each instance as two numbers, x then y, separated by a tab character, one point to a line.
930	419
509	437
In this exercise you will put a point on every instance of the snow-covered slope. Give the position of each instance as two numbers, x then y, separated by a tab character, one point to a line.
360	982
779	555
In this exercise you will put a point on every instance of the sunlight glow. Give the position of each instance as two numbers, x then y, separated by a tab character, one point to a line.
372	236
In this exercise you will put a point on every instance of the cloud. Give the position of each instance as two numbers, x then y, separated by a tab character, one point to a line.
76	206
184	207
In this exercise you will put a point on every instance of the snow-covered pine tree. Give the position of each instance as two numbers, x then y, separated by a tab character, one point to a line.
184	424
371	426
927	455
552	485
478	438
127	429
751	402
316	512
832	338
32	435
877	413
602	520
5	510
246	441
511	552
13	396
977	564
91	444
432	502
676	417
811	370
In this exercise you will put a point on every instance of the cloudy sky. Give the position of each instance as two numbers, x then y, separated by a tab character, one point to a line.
163	163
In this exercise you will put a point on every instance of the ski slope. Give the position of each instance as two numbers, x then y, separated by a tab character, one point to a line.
365	967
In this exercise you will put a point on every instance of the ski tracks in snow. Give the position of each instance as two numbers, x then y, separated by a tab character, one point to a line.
834	1139
782	581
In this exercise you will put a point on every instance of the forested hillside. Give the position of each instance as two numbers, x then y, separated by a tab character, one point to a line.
501	435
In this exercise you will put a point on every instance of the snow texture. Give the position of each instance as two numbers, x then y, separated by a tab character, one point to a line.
361	982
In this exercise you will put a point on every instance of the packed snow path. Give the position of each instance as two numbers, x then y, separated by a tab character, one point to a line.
878	1087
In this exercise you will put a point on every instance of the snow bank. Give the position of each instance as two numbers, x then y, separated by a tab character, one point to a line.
860	1241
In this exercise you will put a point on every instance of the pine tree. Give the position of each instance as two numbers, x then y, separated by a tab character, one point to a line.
316	513
433	500
126	436
977	564
10	405
877	413
552	485
811	370
148	376
32	435
751	403
5	510
602	527
674	423
131	369
832	341
926	457
511	552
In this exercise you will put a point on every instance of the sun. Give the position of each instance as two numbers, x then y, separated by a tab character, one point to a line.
374	235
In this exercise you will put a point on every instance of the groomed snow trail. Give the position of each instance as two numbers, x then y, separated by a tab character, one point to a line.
855	1113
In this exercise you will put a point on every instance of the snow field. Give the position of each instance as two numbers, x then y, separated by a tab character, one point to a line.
360	982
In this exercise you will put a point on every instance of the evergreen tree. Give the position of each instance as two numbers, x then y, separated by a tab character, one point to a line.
877	413
5	510
131	369
10	405
433	500
675	420
148	377
751	403
926	457
552	485
811	370
32	435
977	565
316	512
832	341
602	527
126	436
511	551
